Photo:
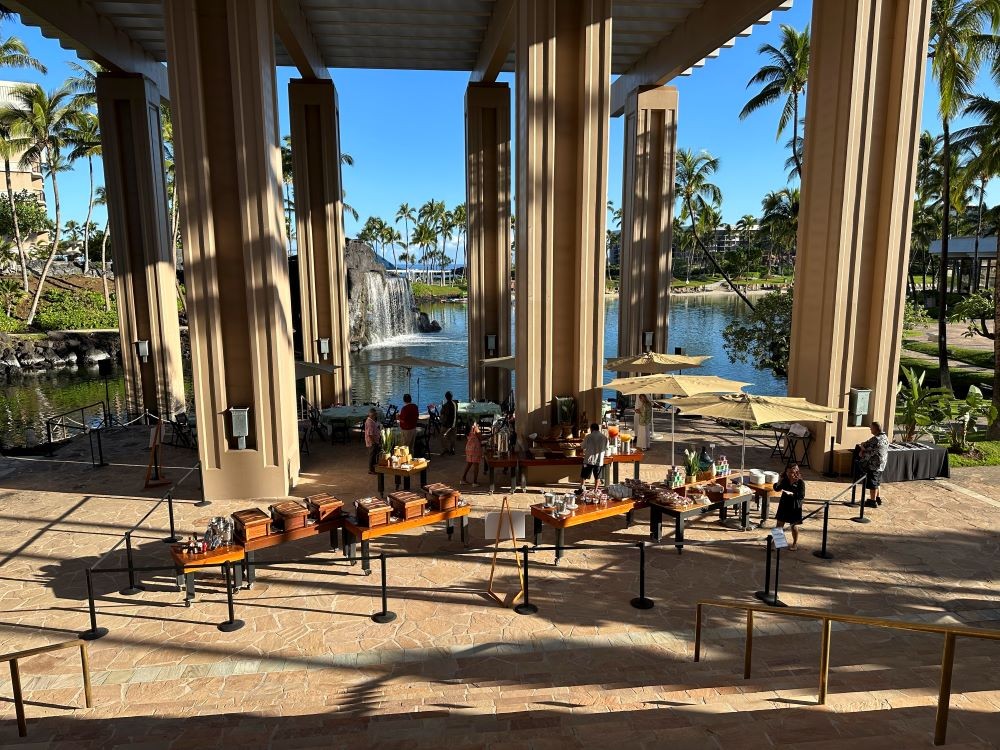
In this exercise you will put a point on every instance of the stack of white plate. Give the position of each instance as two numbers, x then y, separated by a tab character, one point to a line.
770	477
756	476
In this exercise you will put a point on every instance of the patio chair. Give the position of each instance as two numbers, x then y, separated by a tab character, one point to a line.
316	427
433	420
390	416
181	434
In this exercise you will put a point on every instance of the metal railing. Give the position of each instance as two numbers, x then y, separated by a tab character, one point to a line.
15	675
950	633
64	426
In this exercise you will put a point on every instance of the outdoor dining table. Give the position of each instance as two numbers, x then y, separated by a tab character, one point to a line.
478	409
346	413
527	461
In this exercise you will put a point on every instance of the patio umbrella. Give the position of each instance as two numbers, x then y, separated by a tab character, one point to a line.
506	363
675	385
408	363
653	362
305	370
750	409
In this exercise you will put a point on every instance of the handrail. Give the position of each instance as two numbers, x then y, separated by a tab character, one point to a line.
950	633
15	675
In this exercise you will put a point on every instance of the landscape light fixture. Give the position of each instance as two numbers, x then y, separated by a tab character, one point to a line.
491	345
323	347
239	423
647	341
142	350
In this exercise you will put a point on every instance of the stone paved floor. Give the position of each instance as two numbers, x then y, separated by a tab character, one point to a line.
310	669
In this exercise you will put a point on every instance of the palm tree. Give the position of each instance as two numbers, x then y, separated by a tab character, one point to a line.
39	124
84	83
746	225
780	215
287	182
85	137
447	228
425	238
785	76
406	214
74	232
695	190
14	54
460	219
957	49
101	199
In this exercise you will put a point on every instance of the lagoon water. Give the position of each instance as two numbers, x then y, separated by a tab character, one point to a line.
696	323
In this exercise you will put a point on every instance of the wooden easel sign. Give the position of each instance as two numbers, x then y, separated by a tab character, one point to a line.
154	474
505	517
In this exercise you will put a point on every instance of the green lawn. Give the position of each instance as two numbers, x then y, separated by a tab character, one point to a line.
990	450
975	357
436	291
961	378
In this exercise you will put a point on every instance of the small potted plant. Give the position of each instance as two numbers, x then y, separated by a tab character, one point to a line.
388	444
691	465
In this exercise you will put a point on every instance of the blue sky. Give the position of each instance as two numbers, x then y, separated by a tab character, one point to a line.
405	129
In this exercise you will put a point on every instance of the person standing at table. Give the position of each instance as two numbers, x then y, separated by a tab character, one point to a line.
793	495
873	455
449	425
595	448
409	415
373	439
473	455
644	421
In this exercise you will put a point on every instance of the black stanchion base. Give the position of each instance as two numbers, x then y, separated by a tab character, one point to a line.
850	505
769	599
202	503
383	617
642	602
230	625
132	590
823	555
93	635
526	608
171	540
861	519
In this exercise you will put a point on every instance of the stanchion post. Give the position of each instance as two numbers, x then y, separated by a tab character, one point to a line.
861	517
232	623
525	607
823	552
642	601
765	595
100	451
133	587
95	632
774	601
170	512
385	615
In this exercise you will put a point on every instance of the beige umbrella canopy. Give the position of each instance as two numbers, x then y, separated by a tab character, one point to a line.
305	370
750	409
506	363
653	362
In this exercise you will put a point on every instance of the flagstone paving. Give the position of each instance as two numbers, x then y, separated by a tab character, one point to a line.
310	668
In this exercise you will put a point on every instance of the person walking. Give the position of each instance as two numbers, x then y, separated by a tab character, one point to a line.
595	448
644	421
793	495
373	439
873	455
473	455
408	418
449	425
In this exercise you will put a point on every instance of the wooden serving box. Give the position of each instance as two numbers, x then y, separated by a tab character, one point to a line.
372	511
407	504
289	515
442	497
324	506
251	523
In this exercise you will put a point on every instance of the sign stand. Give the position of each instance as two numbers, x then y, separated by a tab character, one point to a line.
154	475
775	541
506	600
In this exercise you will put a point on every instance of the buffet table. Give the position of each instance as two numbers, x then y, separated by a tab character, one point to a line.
354	532
401	474
584	513
275	538
693	512
188	565
520	463
910	461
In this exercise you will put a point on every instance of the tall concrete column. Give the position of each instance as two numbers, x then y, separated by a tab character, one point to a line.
319	221
647	218
222	86
866	79
563	53
132	146
487	201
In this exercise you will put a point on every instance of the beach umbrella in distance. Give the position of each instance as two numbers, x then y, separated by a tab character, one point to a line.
750	409
408	363
675	385
506	363
653	362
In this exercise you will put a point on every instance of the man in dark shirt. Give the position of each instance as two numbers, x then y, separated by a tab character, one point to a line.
449	425
409	415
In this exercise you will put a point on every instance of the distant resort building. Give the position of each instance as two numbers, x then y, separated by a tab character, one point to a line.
21	179
962	253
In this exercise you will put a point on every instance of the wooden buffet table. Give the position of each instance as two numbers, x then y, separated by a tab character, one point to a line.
401	474
188	565
521	462
763	494
276	538
354	533
693	512
584	513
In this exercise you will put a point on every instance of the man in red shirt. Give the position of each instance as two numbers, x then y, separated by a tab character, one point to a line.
409	415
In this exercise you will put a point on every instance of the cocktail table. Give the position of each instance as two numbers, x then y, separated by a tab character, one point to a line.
584	513
354	533
399	474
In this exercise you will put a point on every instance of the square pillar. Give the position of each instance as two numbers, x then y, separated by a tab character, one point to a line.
319	221
487	201
563	54
145	281
647	218
866	80
222	86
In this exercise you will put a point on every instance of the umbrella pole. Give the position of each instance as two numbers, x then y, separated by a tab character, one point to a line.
743	451
672	436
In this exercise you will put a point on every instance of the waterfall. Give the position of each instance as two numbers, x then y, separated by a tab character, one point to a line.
388	306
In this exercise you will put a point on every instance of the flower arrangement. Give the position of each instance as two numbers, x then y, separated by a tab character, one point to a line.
388	440
691	462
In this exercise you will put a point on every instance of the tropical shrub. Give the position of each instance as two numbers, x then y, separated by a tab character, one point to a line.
977	311
918	408
914	316
63	310
9	324
962	415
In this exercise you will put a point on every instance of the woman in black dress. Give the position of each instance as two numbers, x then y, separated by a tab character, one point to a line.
793	493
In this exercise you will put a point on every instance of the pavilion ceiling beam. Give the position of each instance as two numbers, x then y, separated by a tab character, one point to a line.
293	30
497	43
92	36
704	30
